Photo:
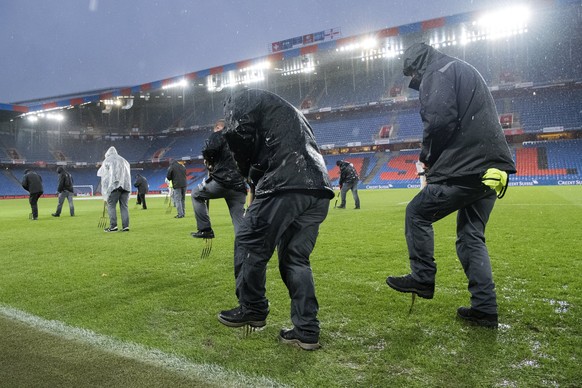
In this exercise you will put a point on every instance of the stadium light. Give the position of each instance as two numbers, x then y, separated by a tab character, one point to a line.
263	65
369	43
55	116
216	83
503	23
178	84
44	115
506	18
490	26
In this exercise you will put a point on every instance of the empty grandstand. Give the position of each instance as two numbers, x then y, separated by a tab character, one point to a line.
352	91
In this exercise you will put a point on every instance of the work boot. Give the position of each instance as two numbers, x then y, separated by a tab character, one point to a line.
208	233
477	317
407	283
290	336
237	318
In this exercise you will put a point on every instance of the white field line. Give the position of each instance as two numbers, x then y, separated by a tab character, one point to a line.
213	374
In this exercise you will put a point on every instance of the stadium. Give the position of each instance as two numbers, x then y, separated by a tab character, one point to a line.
353	93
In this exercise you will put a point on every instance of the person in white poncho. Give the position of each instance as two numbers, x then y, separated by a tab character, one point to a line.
115	187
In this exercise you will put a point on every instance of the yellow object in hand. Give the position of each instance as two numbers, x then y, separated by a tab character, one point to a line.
497	180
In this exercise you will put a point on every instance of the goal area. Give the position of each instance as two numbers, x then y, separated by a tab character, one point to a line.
83	190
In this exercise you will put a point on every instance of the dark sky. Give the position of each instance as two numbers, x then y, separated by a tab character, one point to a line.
50	48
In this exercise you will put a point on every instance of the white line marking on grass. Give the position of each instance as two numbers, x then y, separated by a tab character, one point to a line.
211	373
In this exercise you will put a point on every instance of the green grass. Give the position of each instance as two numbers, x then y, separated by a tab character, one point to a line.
149	286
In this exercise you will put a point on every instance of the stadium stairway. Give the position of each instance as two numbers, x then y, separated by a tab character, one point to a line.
380	159
10	184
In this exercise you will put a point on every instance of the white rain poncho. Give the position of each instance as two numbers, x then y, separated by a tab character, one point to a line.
114	173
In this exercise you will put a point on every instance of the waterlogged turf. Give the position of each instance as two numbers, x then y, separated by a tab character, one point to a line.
150	287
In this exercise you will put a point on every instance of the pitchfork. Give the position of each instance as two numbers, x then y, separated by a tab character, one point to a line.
103	220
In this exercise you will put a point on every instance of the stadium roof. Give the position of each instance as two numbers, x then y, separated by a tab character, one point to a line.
9	111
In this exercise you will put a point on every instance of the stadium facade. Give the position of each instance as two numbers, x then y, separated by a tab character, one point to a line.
350	88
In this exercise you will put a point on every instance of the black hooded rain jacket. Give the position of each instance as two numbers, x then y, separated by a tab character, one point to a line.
462	134
273	144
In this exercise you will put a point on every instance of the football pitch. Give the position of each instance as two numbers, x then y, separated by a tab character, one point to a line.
149	290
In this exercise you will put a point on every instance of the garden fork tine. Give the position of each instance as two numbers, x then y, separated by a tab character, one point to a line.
207	248
207	241
102	221
412	303
169	208
248	330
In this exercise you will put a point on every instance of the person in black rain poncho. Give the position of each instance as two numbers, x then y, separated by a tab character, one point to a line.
463	151
177	175
142	186
275	149
65	190
32	182
348	180
223	181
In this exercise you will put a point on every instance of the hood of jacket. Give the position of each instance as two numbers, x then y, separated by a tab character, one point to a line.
110	152
221	165
416	59
273	144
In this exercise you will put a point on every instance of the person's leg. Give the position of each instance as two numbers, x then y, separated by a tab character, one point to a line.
294	250
111	208
33	200
124	208
431	204
265	222
183	198
235	201
143	202
204	192
61	200
355	194
473	254
178	201
344	190
71	204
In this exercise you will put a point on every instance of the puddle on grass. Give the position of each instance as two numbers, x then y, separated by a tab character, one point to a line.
562	306
506	383
530	363
380	345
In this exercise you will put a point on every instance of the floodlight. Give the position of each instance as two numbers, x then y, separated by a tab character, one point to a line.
181	83
505	18
369	43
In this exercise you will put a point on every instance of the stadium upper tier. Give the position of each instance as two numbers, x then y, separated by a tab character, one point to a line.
510	47
556	107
